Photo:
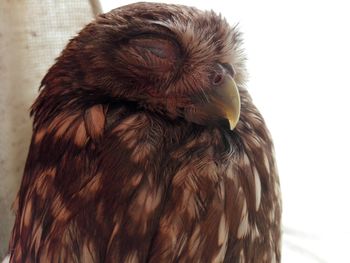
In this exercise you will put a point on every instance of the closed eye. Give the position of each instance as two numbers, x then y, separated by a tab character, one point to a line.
229	68
160	47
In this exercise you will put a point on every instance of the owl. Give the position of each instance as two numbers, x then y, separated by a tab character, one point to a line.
147	147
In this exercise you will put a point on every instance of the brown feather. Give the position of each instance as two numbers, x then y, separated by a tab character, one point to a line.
123	167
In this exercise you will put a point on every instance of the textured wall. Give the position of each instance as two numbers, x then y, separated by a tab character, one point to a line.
32	33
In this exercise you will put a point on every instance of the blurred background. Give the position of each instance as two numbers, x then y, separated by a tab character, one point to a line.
299	61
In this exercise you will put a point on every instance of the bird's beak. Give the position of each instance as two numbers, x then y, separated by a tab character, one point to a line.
228	100
221	102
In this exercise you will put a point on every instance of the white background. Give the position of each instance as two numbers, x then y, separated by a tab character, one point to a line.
299	64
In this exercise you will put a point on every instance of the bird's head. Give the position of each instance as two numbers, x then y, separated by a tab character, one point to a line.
176	60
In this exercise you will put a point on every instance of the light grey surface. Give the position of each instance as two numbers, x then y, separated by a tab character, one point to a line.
6	260
32	33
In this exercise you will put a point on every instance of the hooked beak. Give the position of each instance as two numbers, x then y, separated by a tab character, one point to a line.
227	101
221	102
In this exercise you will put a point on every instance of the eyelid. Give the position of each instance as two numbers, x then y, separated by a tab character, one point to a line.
160	47
229	68
157	51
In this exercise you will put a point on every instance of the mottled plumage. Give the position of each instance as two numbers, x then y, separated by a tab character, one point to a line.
132	157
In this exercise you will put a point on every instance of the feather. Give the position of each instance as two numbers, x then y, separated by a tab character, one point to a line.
131	158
